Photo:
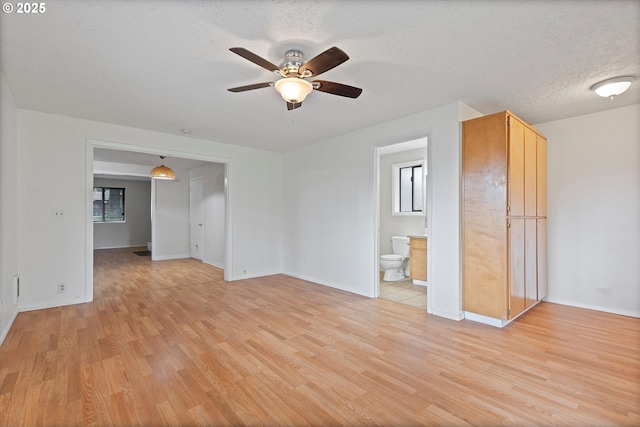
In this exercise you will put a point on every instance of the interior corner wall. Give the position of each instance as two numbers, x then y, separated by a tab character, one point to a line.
328	196
9	265
136	229
52	251
593	210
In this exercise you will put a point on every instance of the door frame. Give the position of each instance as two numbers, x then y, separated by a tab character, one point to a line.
92	144
191	223
376	152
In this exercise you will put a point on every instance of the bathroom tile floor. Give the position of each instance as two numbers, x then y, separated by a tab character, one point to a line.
404	292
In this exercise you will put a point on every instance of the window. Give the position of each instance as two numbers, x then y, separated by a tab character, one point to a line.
408	192
411	189
108	204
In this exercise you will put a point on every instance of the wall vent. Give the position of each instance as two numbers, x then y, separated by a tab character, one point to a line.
16	289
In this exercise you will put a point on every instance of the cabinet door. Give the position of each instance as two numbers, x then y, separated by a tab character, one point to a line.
516	167
517	262
541	187
542	258
484	229
530	262
418	259
530	172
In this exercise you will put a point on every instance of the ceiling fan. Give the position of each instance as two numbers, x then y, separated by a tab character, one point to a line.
295	72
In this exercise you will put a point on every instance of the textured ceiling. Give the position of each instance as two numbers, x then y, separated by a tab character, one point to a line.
165	65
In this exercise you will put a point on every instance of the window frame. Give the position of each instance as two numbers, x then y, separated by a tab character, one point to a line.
396	183
124	205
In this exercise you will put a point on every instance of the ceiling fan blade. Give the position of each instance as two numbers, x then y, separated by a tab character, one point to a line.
337	88
268	65
250	87
293	105
327	60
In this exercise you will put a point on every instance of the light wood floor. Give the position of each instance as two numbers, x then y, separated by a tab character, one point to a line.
170	343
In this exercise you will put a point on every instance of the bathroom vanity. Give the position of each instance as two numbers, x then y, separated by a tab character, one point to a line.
418	257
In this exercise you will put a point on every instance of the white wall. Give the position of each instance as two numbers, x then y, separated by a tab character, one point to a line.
213	206
594	210
170	217
390	224
136	230
8	207
329	199
52	251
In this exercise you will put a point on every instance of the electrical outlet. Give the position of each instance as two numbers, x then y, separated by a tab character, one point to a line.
57	214
62	288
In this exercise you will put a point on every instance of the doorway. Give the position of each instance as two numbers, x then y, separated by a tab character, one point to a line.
135	169
392	219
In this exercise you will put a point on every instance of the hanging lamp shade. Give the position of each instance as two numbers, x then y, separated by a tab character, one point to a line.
163	172
293	89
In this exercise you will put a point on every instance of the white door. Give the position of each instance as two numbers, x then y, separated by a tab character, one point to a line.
196	218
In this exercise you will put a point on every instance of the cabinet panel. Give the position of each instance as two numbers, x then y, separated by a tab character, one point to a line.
516	267
516	168
543	286
541	187
530	266
484	228
418	258
530	172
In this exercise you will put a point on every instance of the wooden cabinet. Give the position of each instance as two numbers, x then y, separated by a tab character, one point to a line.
418	258
503	216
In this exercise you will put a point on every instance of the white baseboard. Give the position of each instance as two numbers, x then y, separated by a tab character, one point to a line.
6	330
122	247
243	276
491	321
220	265
451	316
166	257
48	305
322	283
630	313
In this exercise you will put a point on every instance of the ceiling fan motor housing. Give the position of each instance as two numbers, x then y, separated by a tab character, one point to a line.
293	60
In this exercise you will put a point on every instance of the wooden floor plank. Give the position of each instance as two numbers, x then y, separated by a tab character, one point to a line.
171	343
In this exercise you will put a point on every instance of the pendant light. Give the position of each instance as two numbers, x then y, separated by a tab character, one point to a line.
163	172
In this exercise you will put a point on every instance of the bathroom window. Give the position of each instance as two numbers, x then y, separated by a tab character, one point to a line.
408	191
108	204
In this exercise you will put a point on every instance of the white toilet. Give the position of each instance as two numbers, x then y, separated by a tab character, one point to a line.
393	265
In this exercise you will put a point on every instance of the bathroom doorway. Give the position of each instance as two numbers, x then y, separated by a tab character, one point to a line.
402	174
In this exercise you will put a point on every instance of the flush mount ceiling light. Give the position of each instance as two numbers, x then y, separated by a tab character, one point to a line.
163	172
612	87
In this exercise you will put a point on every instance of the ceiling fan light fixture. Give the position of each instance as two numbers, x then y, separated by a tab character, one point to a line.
163	172
293	89
612	87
